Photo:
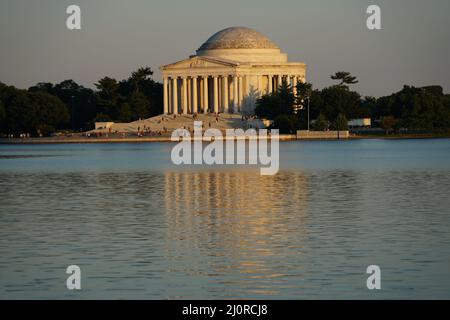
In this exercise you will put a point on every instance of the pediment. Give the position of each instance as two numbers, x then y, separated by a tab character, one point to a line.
200	62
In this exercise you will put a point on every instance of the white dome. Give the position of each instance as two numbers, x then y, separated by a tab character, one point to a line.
238	38
242	45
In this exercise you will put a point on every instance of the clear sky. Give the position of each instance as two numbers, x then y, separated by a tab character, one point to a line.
119	36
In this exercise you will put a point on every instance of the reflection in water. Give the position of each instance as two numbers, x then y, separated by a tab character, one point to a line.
246	225
139	228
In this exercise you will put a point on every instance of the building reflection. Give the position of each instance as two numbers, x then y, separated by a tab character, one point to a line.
235	221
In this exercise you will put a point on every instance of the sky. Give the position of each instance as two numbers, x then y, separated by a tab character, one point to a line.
117	37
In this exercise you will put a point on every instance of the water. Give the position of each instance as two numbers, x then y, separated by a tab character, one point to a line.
141	228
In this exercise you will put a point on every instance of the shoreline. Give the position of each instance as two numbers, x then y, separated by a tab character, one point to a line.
69	140
407	136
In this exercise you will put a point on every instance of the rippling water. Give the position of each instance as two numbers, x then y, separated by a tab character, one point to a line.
141	228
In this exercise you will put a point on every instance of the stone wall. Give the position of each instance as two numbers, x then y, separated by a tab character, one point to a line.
305	134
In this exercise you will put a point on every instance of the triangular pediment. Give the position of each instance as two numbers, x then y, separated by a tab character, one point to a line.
200	62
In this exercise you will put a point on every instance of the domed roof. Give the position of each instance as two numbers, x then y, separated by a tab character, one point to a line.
238	38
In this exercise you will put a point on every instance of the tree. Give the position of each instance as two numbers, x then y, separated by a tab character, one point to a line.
140	83
341	123
34	113
50	113
139	105
315	109
250	100
125	113
74	96
280	102
107	88
344	77
101	117
267	107
337	99
139	77
283	123
2	117
321	123
9	97
286	98
304	91
425	108
368	107
107	96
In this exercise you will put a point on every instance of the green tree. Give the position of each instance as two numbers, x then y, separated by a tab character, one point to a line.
139	78
139	105
284	123
280	102
337	99
50	113
141	84
35	113
2	117
267	107
345	78
286	98
107	96
425	108
304	92
74	96
315	109
125	113
368	107
101	117
321	123
341	123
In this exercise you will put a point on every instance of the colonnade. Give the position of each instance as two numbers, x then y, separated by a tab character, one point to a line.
215	93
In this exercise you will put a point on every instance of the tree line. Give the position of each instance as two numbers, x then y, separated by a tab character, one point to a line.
45	107
413	109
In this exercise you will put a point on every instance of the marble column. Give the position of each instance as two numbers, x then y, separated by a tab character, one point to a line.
166	96
270	87
175	95
219	93
226	103
260	86
235	94
185	98
216	95
200	94
205	94
189	95
280	81
194	95
241	92
169	95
